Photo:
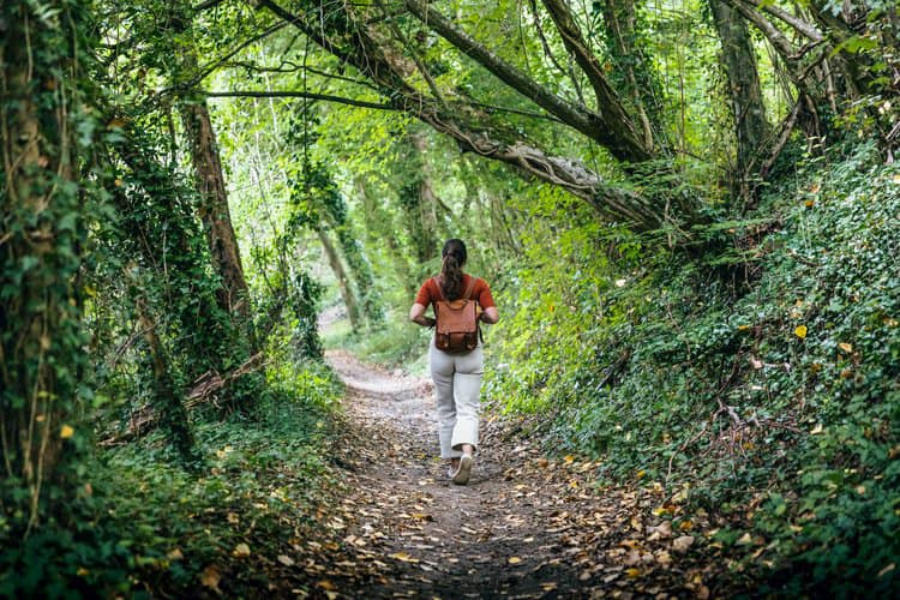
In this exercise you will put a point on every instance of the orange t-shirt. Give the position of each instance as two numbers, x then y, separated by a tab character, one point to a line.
430	293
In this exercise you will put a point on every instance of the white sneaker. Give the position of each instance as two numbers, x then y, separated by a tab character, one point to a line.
461	477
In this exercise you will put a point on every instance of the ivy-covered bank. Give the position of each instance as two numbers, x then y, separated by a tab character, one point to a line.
758	380
143	524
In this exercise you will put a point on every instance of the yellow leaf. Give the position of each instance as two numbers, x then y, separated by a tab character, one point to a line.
175	554
569	459
66	432
403	556
514	560
800	332
326	585
633	573
241	551
82	572
210	578
816	430
743	327
848	348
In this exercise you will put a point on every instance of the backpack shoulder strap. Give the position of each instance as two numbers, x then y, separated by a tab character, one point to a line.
437	284
470	288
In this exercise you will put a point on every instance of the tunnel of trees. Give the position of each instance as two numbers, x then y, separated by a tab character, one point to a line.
687	209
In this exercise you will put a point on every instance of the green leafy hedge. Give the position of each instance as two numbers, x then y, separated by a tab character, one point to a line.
762	376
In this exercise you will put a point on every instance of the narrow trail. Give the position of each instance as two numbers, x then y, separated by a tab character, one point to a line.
525	526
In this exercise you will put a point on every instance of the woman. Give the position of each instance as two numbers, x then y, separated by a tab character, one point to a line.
457	377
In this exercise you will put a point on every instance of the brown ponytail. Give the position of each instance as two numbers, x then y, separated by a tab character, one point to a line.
454	257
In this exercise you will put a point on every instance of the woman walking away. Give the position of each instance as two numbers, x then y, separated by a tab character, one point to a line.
460	303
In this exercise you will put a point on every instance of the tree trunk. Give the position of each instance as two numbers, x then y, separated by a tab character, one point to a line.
347	293
214	211
168	407
739	62
379	226
179	261
41	348
418	200
361	271
619	20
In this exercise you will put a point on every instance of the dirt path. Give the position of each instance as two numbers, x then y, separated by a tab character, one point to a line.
525	526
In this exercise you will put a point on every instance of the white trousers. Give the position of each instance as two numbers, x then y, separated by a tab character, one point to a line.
457	387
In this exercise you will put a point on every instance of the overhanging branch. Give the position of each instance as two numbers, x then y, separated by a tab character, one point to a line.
613	131
298	94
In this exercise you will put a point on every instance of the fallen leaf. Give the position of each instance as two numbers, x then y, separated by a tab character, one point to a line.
848	348
175	554
404	557
681	544
210	578
633	573
663	530
285	560
514	560
242	550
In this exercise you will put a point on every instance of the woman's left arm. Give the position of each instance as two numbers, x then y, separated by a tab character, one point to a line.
417	316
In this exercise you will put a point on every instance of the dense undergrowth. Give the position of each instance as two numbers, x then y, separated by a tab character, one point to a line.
759	380
144	524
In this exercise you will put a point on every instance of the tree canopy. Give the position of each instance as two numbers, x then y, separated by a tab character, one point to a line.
686	208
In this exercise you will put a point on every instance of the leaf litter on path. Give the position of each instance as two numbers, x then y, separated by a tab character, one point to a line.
527	525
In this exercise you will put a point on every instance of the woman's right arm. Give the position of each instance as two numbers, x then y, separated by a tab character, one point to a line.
490	315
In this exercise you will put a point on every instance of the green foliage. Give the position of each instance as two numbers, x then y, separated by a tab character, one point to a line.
771	375
136	507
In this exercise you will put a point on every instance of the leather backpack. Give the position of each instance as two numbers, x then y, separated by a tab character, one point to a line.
457	328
